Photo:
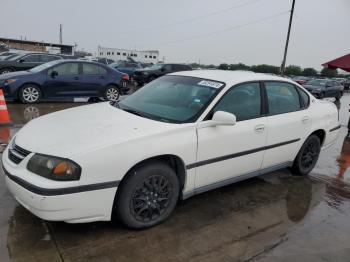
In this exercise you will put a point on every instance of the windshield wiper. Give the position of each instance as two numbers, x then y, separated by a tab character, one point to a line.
132	111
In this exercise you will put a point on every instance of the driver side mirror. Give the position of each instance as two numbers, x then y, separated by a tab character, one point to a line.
21	60
220	118
163	69
54	74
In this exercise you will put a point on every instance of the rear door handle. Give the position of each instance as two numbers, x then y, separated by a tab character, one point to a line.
305	119
259	128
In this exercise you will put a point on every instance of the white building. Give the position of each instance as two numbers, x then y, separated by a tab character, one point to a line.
115	54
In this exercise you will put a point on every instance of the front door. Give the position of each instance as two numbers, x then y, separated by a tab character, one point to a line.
63	80
226	152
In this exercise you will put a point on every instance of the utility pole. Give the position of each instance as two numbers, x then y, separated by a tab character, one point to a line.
61	34
283	66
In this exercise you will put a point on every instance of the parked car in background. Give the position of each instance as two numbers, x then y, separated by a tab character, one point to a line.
6	54
64	78
325	88
301	79
148	74
126	67
180	135
346	84
26	62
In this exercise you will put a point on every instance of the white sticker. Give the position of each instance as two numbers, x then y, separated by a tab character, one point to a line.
210	84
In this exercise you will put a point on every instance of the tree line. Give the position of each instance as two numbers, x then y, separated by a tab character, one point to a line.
291	70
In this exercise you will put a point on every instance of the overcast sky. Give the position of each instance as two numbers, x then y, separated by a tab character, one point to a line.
222	31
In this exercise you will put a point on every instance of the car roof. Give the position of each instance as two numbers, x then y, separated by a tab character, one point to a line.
231	77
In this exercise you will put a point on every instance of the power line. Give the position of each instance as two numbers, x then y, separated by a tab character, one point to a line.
196	18
230	28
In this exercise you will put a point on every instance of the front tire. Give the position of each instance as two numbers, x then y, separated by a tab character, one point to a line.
321	95
147	196
112	93
5	71
339	96
30	94
307	156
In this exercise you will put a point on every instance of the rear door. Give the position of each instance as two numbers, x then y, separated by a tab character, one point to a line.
288	123
63	80
94	79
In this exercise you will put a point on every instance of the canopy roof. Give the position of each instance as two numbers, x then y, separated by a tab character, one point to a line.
341	62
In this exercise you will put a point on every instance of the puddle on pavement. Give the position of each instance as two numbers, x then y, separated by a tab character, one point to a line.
272	218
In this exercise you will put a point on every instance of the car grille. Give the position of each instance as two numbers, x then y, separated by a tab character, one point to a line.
17	154
137	73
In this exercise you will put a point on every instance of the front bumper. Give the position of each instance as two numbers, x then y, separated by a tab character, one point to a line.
62	202
140	78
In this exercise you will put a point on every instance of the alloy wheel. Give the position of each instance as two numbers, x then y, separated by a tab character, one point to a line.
151	198
30	94
112	94
309	155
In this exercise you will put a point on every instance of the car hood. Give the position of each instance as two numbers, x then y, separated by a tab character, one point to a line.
86	128
14	74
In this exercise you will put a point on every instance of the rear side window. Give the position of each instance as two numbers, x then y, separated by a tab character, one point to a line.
304	98
282	98
244	101
90	69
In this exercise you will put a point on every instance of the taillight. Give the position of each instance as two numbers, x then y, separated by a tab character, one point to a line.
125	77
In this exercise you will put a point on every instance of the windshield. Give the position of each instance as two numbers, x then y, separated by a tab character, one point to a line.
12	57
155	67
317	82
43	66
175	99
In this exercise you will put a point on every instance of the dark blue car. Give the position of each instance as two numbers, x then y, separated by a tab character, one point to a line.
64	78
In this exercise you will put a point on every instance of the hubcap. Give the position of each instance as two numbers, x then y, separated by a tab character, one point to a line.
309	156
151	199
30	113
30	94
112	94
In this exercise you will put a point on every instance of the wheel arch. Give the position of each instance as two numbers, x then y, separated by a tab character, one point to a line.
321	134
30	83
174	161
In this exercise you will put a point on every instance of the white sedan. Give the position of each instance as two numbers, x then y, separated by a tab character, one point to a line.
180	135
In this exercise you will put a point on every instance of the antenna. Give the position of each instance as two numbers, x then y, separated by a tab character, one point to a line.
61	34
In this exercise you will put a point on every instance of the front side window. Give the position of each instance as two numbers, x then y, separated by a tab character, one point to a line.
48	58
244	101
32	59
282	98
65	69
175	99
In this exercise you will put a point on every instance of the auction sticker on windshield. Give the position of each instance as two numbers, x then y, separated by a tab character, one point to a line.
210	84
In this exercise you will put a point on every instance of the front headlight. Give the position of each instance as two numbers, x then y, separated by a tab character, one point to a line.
54	168
145	73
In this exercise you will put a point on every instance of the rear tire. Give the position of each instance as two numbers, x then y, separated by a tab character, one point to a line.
307	156
339	96
112	93
29	94
147	196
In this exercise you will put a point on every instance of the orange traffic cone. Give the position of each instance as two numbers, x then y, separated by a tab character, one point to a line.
4	114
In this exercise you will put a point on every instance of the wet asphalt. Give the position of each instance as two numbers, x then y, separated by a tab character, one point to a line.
276	217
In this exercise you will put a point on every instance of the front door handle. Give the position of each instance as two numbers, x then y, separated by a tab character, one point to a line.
76	78
259	128
305	119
